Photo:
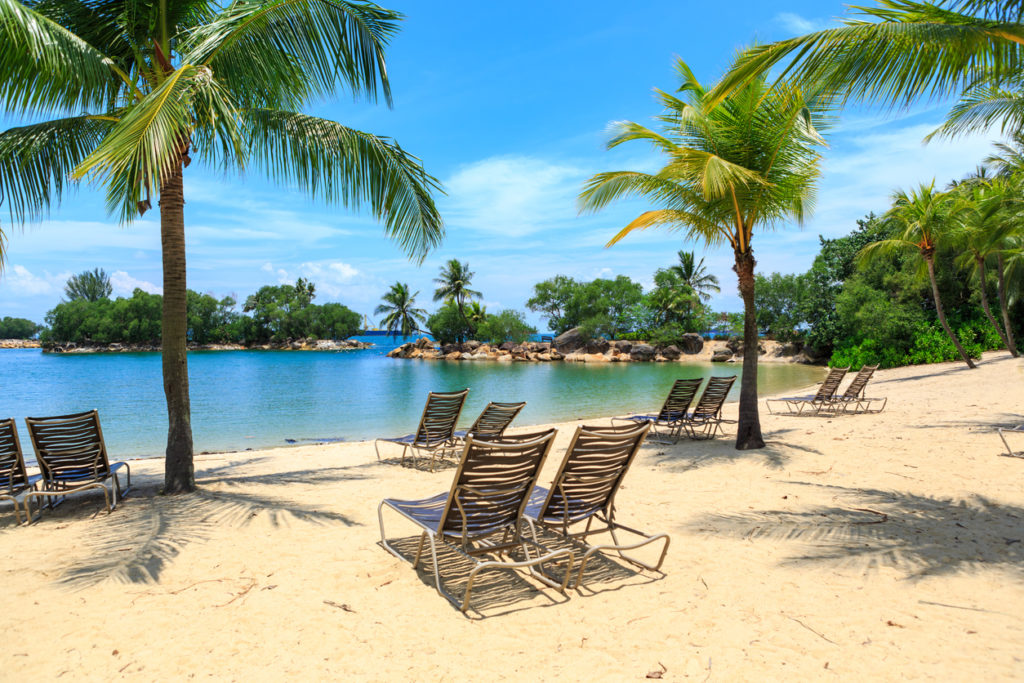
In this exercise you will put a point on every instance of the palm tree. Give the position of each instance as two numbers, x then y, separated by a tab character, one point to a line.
925	217
983	229
695	275
402	315
905	50
477	313
137	88
1008	164
453	286
749	163
91	285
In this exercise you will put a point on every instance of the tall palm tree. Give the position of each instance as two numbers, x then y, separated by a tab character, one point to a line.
983	229
1008	164
904	50
925	217
137	88
453	286
695	276
402	315
749	163
91	285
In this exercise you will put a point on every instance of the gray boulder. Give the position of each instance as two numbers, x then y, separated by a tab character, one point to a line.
721	356
671	352
692	343
507	346
570	340
472	345
642	352
623	346
424	343
597	346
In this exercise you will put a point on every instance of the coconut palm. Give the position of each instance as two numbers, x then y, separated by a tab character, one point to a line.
90	285
750	163
476	313
903	50
695	276
453	286
924	217
984	225
402	316
135	89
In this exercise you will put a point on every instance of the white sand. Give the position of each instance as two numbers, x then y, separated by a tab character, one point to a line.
863	547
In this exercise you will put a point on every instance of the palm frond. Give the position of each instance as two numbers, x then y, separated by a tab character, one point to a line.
278	53
983	107
340	164
695	225
899	52
46	68
36	161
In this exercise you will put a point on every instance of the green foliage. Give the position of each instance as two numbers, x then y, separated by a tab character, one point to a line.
566	303
447	325
401	315
780	301
91	285
17	328
508	325
285	314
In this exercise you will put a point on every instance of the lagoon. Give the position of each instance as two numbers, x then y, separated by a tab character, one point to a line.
260	399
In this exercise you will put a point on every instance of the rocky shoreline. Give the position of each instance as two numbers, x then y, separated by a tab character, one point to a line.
289	345
19	344
571	348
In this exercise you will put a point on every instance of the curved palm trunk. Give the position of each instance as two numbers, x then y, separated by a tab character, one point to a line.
1011	344
179	472
984	304
942	313
748	432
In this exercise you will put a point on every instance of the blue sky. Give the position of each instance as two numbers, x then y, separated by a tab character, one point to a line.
508	105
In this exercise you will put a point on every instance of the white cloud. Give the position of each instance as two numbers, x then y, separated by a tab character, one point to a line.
20	280
512	195
268	267
798	25
124	284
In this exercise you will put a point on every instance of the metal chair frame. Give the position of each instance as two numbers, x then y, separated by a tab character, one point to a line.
72	457
667	425
482	513
707	416
584	489
15	481
436	431
1011	430
812	403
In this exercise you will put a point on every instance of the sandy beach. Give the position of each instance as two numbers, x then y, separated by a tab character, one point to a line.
868	547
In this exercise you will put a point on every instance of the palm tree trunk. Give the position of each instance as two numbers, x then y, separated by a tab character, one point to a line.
748	432
984	303
1001	289
942	314
179	472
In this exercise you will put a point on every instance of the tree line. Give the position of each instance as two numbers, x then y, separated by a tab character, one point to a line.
274	313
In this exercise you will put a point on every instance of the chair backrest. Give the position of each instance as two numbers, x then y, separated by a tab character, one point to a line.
493	483
713	398
69	447
860	381
495	419
592	471
437	424
13	475
831	384
679	399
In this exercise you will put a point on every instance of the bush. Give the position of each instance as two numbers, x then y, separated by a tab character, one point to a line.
508	325
447	325
17	328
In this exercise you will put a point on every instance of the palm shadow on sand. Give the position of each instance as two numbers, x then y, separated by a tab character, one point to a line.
869	528
690	455
142	538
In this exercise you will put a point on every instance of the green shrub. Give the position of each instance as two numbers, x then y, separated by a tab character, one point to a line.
508	325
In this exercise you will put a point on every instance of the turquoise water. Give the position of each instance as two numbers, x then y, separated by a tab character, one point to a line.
255	399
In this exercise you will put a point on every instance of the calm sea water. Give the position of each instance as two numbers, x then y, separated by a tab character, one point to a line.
254	399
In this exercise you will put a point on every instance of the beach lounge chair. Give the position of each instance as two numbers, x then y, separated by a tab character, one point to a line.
813	403
583	491
1011	430
436	431
493	421
853	399
72	457
15	481
481	515
706	419
667	424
